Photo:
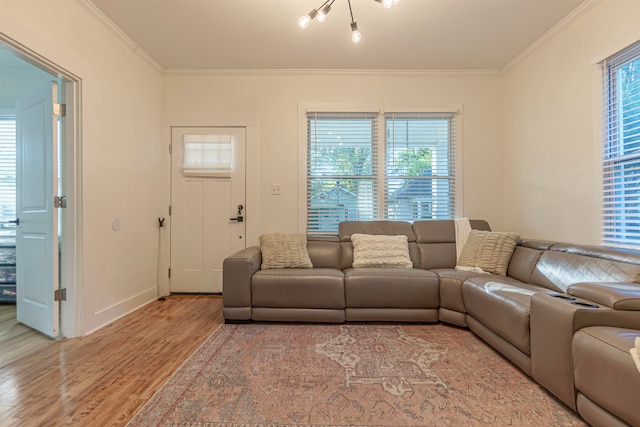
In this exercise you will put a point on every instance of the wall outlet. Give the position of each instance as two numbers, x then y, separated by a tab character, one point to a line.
276	189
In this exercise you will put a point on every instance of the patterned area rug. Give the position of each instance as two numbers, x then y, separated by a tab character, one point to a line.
260	375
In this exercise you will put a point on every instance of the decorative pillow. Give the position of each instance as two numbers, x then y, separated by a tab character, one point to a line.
381	251
488	252
284	250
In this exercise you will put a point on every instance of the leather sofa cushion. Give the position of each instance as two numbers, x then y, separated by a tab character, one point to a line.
443	230
298	288
502	304
436	240
605	372
523	261
627	256
391	288
451	281
558	270
324	253
621	296
437	255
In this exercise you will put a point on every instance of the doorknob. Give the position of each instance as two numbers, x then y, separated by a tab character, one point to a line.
14	221
239	218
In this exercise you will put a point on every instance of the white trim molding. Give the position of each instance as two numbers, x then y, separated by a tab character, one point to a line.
566	22
109	24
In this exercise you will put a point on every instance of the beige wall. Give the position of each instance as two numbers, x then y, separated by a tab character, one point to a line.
551	126
273	99
530	147
120	151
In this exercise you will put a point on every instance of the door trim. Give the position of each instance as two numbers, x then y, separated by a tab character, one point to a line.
250	123
71	324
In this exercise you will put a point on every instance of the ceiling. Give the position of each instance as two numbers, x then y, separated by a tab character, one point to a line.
264	34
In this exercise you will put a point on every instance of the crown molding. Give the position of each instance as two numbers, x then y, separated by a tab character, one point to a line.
565	23
329	72
93	10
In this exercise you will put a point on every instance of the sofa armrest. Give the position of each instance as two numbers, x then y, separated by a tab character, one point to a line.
554	318
619	295
237	270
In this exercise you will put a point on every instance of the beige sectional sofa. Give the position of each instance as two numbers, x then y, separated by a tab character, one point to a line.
566	314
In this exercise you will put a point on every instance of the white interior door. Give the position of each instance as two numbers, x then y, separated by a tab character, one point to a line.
207	205
36	232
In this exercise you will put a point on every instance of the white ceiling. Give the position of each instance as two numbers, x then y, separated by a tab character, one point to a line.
264	34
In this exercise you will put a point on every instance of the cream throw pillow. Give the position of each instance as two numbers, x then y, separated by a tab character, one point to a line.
380	251
488	252
284	250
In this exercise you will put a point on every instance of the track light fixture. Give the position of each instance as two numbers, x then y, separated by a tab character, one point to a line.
324	9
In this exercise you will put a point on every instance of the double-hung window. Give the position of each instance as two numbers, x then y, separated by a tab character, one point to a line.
419	167
621	149
368	166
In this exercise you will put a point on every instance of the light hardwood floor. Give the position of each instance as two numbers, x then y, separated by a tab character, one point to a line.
16	339
104	378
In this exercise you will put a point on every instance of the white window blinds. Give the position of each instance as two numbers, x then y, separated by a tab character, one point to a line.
207	155
420	166
341	169
360	171
7	171
621	149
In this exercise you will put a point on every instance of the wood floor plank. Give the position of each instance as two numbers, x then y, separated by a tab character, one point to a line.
104	378
16	339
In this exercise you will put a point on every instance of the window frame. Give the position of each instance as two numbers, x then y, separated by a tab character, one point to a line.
454	109
617	231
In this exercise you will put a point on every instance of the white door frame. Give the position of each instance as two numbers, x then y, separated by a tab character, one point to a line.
251	211
71	248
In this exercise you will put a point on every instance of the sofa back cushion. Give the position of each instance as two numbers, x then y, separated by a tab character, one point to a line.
324	251
525	257
388	228
436	241
564	264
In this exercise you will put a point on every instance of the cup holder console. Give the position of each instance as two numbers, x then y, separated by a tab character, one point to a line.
562	296
573	301
584	304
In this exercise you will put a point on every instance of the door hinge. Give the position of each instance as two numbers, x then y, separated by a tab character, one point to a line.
60	294
60	202
169	210
170	149
169	273
59	109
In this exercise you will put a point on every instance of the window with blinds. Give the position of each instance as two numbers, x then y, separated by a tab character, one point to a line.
7	171
420	167
621	149
357	171
341	169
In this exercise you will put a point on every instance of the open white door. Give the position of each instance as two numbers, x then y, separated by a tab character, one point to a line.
207	205
36	235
